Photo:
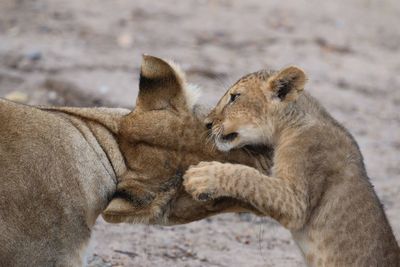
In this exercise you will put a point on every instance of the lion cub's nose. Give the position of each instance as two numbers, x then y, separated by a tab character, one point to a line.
229	137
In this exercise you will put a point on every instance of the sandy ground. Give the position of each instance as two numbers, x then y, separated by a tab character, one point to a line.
87	53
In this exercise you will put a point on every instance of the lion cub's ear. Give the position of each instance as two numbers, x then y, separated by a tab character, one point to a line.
287	84
162	84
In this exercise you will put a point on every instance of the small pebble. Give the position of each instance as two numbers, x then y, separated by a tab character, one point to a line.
125	40
104	89
52	95
34	55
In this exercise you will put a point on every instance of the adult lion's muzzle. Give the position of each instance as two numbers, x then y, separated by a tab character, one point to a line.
138	202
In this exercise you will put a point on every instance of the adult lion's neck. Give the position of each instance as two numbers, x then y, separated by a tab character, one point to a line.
100	127
110	118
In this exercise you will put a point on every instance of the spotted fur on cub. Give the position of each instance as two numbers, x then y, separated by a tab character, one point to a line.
318	187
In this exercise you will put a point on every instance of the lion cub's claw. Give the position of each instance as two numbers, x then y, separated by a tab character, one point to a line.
201	181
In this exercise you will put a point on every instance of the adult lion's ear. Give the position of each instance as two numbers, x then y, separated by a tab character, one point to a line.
287	84
161	85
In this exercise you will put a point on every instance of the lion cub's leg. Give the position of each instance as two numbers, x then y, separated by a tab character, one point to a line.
279	198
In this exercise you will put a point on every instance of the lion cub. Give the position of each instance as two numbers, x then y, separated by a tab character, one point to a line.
318	187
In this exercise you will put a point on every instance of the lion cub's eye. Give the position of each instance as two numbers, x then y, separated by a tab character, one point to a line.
234	96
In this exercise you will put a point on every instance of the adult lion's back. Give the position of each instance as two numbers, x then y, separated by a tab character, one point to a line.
42	194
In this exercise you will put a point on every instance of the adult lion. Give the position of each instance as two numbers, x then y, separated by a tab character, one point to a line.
59	169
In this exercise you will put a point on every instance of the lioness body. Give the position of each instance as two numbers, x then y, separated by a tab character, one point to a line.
318	187
59	169
55	181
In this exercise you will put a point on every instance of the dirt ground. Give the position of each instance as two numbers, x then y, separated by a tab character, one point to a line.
88	53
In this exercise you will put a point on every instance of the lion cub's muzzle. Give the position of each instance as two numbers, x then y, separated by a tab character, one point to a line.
224	139
229	137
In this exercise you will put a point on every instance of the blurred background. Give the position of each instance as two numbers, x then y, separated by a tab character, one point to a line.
88	53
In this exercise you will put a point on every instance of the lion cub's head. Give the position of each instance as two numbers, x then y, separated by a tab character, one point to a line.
248	112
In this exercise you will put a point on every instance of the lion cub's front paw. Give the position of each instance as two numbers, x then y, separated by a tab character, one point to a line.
202	181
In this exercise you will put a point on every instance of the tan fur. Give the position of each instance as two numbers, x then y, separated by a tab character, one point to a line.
318	187
160	139
59	168
55	181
